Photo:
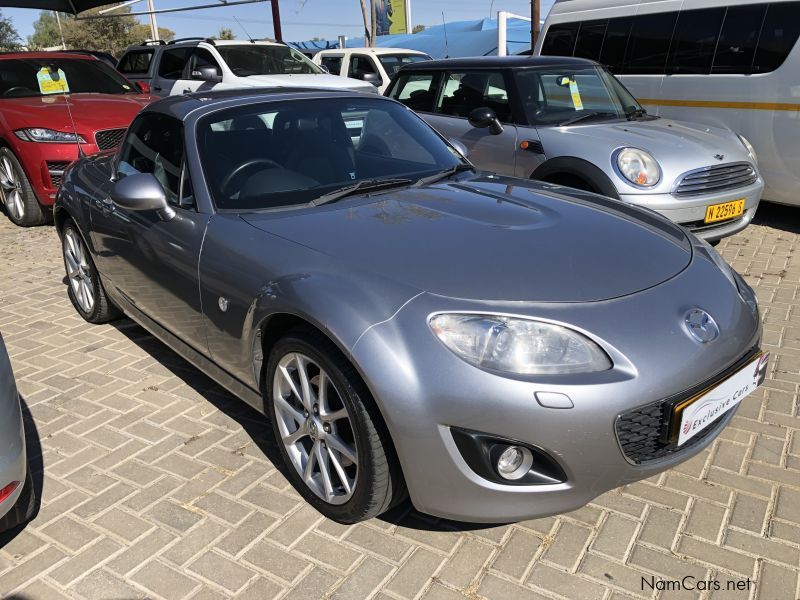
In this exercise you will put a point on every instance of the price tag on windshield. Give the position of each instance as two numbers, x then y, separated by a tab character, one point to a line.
576	95
52	82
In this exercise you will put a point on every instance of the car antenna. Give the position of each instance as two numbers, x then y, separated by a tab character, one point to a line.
446	47
235	18
55	74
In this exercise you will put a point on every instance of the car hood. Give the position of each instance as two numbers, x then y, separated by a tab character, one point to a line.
91	112
494	238
677	146
319	80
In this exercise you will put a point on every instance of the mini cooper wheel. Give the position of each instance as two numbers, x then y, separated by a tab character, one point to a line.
329	431
86	291
17	194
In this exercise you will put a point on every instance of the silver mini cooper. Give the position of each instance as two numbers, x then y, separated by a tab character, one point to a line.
571	122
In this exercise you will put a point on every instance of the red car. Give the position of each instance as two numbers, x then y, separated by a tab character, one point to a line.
51	102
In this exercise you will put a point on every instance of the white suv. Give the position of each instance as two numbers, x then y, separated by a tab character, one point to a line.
373	65
196	64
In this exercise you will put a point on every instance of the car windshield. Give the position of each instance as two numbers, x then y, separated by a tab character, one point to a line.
562	96
259	59
392	62
284	154
22	77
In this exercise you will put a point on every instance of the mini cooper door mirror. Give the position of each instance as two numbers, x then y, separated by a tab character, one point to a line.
142	191
206	73
485	117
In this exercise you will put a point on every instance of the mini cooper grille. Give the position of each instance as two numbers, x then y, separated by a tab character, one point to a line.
110	138
56	170
641	431
716	179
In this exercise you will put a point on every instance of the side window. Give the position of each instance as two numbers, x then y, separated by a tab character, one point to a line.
202	58
590	39
154	144
615	43
135	63
649	43
695	39
560	39
333	64
360	65
738	38
464	92
416	91
172	63
778	36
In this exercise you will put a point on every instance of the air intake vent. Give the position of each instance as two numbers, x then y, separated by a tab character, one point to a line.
56	170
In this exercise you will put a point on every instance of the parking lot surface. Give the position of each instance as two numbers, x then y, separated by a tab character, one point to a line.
157	483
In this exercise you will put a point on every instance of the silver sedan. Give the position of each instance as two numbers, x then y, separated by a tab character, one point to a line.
499	348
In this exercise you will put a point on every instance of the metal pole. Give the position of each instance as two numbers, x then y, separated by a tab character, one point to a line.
276	21
534	22
409	29
366	24
374	10
60	32
153	24
502	33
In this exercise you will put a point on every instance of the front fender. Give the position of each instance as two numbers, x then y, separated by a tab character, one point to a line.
577	167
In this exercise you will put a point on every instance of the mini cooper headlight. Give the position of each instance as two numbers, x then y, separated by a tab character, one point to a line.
638	167
518	346
40	134
746	292
750	150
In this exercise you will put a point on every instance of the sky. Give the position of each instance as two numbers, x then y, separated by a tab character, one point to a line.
301	19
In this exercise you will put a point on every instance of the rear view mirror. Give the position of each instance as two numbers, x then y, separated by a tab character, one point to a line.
206	73
485	117
372	78
142	191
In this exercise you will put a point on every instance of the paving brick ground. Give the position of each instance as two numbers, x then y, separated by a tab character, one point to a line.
159	484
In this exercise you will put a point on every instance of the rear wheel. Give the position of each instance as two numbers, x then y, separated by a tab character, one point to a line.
329	431
17	194
86	291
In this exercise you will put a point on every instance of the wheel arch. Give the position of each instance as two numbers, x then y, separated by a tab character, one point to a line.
572	166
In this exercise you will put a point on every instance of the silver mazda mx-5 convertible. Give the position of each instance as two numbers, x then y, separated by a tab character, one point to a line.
500	348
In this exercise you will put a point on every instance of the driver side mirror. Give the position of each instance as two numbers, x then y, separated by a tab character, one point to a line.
372	78
142	191
485	117
206	73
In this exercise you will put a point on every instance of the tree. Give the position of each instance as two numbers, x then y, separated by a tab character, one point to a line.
225	33
9	38
110	34
418	28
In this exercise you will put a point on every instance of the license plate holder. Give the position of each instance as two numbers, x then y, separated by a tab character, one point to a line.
724	211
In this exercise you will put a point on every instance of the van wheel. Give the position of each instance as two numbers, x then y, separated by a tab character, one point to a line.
17	194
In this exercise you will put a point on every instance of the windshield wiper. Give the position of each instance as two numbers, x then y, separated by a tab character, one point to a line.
362	186
635	114
442	175
587	115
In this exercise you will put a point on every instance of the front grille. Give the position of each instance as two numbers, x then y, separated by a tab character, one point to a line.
109	138
56	170
642	432
716	178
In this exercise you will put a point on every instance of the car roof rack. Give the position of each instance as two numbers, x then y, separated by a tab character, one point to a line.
153	43
191	39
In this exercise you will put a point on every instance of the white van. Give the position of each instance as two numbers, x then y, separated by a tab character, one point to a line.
375	65
720	62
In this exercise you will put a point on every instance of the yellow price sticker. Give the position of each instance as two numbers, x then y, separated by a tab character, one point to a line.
576	95
52	82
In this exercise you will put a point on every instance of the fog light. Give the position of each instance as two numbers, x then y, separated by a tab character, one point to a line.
514	462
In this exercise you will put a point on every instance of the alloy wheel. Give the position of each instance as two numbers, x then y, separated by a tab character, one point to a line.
78	270
315	428
11	189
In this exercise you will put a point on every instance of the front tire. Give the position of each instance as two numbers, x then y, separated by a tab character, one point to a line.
86	291
17	194
330	434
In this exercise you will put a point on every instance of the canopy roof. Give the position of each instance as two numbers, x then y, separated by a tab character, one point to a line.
65	6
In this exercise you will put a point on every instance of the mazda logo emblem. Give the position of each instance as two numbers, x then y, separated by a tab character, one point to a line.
701	325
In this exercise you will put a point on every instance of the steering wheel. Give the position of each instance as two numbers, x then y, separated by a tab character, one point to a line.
246	166
16	88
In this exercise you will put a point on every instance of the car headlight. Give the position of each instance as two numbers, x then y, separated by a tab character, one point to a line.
638	167
749	147
40	134
518	346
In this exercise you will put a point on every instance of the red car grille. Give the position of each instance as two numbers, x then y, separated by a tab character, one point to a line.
109	138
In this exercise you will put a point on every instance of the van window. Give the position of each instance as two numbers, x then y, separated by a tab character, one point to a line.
778	36
135	63
738	39
615	43
649	43
415	90
590	39
695	38
560	39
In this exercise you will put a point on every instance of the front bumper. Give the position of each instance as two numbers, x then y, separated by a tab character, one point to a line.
424	390
690	211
